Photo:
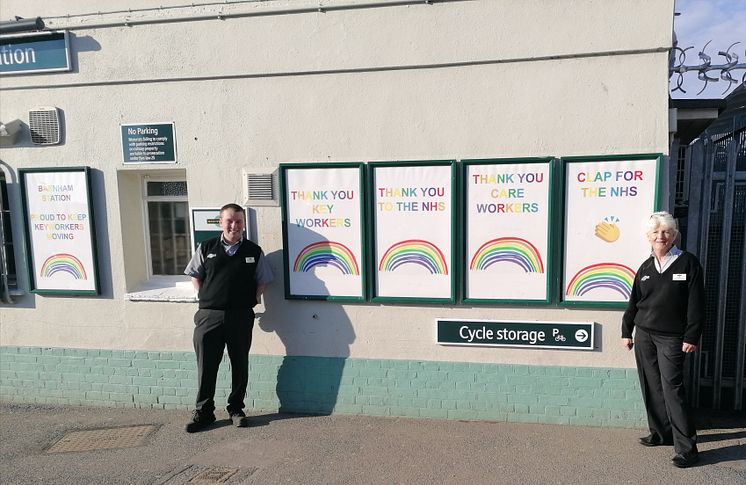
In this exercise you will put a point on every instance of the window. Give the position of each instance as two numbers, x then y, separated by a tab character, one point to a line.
167	212
681	196
8	281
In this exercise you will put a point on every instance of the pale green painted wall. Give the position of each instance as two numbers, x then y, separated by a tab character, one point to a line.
411	388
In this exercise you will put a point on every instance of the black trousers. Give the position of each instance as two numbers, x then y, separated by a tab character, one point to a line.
214	331
660	365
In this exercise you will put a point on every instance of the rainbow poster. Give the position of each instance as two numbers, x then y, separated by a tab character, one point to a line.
608	276
607	203
60	228
322	213
324	253
513	250
415	252
412	206
507	212
65	264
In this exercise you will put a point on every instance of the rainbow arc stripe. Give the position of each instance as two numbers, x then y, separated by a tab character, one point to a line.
329	253
508	249
63	263
614	276
414	251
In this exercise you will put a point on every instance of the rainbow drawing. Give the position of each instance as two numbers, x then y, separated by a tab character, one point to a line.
63	263
508	249
414	251
614	276
329	253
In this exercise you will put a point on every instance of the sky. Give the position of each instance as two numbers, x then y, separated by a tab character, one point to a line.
723	22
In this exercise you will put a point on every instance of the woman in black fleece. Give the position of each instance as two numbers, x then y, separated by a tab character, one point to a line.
667	309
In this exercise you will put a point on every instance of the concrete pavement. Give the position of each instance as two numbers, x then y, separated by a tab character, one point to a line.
344	450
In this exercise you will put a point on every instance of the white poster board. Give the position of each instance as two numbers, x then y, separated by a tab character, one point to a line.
508	209
323	230
413	210
60	230
607	203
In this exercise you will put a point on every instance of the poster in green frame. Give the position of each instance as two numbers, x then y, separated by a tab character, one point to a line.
413	207
507	210
323	231
607	202
60	230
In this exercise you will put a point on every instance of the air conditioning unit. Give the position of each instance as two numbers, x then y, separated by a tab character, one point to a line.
261	188
44	125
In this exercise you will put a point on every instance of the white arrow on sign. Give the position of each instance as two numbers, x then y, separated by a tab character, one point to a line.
581	335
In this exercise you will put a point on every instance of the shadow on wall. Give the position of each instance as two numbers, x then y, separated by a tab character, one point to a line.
317	336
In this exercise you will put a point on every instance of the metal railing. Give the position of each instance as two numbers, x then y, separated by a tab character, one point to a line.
717	234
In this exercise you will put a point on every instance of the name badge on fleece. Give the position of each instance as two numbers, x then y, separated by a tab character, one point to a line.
679	277
250	260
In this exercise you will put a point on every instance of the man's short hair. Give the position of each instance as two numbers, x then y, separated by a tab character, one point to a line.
233	207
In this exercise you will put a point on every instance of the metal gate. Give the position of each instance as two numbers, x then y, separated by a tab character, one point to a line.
714	230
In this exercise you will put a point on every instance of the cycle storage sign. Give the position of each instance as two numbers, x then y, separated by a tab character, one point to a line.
491	333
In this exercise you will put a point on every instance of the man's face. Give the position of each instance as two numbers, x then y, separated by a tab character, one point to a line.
232	222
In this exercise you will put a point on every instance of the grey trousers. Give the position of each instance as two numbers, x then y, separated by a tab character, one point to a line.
660	365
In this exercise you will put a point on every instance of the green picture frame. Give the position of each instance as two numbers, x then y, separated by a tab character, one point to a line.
324	253
602	219
419	262
60	230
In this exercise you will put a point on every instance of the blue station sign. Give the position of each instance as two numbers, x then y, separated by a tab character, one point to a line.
32	53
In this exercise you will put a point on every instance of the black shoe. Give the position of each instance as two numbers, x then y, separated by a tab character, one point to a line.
684	460
239	419
650	440
200	420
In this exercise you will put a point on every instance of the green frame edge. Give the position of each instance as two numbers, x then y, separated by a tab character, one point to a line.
552	162
658	157
283	167
455	196
27	231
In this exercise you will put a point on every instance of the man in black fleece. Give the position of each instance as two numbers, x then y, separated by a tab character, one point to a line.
667	309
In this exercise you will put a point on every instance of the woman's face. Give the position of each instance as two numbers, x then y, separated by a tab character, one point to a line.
661	239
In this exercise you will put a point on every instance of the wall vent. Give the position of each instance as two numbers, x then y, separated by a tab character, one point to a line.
44	124
261	189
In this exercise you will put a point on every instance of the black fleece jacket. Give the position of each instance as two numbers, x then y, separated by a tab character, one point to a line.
668	303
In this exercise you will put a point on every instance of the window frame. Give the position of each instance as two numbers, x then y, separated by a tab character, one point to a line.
8	247
146	199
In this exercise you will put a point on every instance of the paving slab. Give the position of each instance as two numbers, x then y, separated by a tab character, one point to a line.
340	449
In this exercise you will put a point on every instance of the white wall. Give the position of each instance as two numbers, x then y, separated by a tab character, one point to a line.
460	80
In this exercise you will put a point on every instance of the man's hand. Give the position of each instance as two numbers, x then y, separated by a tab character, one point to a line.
627	343
688	348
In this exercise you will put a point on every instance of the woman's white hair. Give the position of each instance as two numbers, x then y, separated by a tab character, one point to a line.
664	220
